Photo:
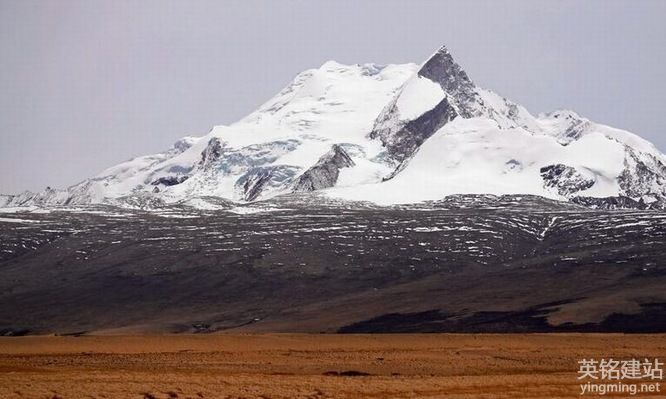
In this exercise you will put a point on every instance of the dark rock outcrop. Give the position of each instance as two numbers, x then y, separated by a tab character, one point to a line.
169	180
405	141
217	155
211	153
441	68
642	176
609	202
565	179
251	185
325	172
402	138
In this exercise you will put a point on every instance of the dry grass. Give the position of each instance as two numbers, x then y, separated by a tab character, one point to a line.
308	366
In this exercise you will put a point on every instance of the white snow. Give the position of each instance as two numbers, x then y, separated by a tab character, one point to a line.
470	156
321	107
12	220
499	152
419	96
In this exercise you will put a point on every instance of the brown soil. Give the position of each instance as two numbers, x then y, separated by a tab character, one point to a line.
309	366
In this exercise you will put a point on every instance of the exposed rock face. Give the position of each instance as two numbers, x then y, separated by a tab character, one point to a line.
234	160
619	202
211	153
251	185
442	69
405	141
565	179
403	137
325	172
461	98
169	180
642	176
609	203
252	161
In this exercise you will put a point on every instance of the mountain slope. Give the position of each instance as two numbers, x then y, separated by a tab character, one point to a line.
388	134
467	264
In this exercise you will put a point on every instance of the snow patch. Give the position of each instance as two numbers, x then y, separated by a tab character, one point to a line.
419	96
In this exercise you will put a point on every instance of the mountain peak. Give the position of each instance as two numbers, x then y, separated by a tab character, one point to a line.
442	49
389	133
443	69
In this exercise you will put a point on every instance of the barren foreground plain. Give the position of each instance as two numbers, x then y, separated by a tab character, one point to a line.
309	365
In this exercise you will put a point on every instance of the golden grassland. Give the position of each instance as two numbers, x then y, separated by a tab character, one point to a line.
308	365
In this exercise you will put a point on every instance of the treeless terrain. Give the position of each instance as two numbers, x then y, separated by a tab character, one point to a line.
473	264
309	365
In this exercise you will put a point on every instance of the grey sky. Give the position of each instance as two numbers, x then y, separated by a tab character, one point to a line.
87	84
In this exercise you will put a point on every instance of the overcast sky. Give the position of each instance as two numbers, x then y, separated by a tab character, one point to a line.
87	84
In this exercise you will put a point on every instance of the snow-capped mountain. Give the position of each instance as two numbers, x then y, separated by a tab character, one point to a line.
387	134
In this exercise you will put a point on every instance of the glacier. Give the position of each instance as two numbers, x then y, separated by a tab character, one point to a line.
387	134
